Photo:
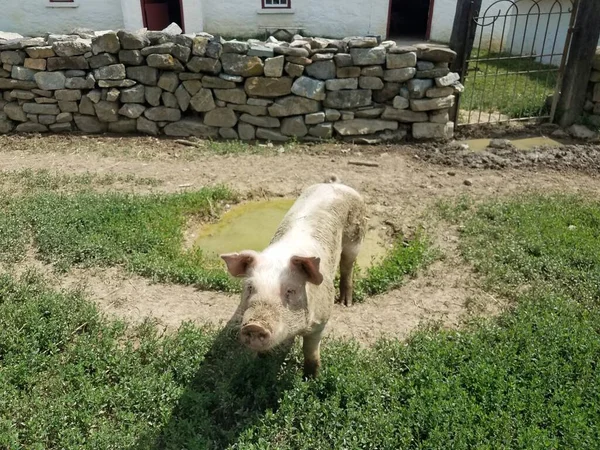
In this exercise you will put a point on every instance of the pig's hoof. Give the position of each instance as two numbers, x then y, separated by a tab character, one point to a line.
311	369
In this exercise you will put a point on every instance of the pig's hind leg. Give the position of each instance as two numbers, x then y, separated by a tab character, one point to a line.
311	344
349	254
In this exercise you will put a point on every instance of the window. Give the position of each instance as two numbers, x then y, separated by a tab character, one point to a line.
62	3
274	4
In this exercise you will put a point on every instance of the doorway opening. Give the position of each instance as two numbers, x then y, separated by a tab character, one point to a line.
409	20
159	14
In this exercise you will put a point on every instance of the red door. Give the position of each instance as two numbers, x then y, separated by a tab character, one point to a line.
156	14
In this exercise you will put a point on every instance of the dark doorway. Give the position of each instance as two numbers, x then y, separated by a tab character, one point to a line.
159	14
409	19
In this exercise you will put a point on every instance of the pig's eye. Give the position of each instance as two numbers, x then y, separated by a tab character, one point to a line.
290	292
251	289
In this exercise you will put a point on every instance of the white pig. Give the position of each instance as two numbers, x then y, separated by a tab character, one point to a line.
289	286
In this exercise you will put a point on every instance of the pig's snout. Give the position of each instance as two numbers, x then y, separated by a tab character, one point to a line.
255	336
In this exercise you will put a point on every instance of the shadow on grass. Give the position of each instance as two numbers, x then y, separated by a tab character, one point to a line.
231	391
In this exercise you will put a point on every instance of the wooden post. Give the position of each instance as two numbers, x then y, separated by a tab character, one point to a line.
579	64
462	38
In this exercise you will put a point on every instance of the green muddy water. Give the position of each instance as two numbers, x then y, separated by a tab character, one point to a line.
478	145
250	226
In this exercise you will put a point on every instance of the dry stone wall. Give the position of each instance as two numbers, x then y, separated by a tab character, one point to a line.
157	83
592	105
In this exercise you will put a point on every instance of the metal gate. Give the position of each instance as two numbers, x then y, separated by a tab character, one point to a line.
514	70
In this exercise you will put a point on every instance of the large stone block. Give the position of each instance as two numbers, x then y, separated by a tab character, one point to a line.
103	59
368	56
164	62
418	87
220	117
106	43
89	124
132	110
435	53
162	114
133	40
399	75
348	99
321	70
274	66
339	84
270	135
15	112
74	47
40	52
433	130
429	104
144	74
35	108
146	126
112	72
245	66
401	61
203	101
309	88
190	127
22	73
107	111
237	96
260	121
135	94
293	106
363	126
404	115
268	87
67	63
294	126
205	65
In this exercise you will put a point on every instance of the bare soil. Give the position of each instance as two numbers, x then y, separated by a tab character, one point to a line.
401	193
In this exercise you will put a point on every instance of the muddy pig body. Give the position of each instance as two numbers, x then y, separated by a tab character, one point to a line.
289	286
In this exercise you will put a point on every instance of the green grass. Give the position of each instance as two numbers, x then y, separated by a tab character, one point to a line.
88	229
494	86
527	380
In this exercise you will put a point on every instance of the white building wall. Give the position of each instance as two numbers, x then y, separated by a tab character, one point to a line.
34	17
337	18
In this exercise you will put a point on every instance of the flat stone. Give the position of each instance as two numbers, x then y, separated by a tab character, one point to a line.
294	70
64	127
220	117
401	102
343	60
107	111
322	130
297	52
89	124
160	49
348	99
40	52
46	119
439	116
348	72
341	83
113	95
322	57
250	109
429	104
135	94
12	57
245	66
436	92
309	88
183	98
368	113
238	47
106	43
300	60
112	72
28	95
75	47
293	106
268	87
417	87
116	83
132	110
42	93
143	74
67	95
399	75
321	70
404	115
15	112
270	135
146	126
448	80
35	64
168	81
228	133
232	78
401	61
433	130
435	54
133	40
164	62
259	121
103	59
192	86
64	117
207	65
49	81
214	49
67	107
95	96
237	96
398	49
217	83
425	65
579	132
67	63
182	53
203	101
246	132
363	126
123	126
261	51
190	127
314	118
274	66
153	94
131	57
372	71
30	127
35	108
331	115
8	84
368	56
363	42
433	73
162	114
294	126
23	74
80	83
374	83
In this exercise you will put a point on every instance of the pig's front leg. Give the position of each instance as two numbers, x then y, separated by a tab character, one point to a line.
312	357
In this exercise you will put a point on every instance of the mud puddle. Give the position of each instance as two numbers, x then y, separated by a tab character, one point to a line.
250	226
479	145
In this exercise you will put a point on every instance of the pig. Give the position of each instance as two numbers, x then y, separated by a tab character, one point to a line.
288	288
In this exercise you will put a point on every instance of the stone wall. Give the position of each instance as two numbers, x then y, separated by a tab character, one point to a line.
592	106
198	85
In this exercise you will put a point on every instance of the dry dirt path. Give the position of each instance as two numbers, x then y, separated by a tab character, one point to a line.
400	192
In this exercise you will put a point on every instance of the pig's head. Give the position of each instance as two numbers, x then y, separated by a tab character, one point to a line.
274	297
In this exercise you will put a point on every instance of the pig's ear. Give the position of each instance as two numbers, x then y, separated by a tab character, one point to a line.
310	267
238	264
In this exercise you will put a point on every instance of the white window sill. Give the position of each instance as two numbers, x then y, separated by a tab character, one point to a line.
74	4
276	11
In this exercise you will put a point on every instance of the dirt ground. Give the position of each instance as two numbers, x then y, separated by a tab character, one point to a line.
400	191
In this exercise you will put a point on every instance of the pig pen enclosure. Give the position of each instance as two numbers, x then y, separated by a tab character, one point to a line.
476	321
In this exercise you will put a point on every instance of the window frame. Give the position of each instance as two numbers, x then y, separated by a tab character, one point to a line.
269	7
62	3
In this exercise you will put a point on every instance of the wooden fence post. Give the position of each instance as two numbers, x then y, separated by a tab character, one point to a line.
462	38
579	64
